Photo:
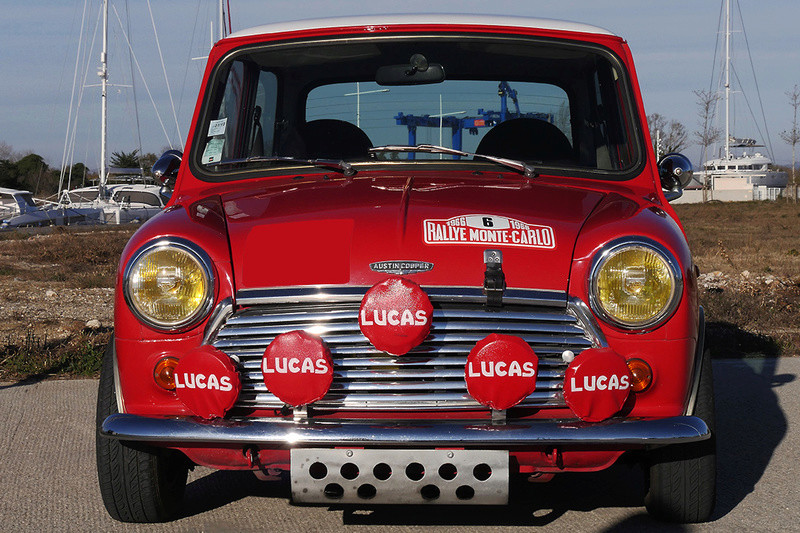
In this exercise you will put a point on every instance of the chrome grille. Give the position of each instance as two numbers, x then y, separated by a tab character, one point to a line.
429	377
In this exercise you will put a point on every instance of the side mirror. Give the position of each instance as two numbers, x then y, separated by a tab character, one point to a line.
165	169
675	171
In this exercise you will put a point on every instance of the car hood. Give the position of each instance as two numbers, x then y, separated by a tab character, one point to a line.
353	232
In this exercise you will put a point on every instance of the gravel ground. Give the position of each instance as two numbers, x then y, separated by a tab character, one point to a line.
52	311
745	280
56	282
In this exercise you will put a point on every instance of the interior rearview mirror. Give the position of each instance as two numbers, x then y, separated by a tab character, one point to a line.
417	72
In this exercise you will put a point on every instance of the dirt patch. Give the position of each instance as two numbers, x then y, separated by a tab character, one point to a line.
57	298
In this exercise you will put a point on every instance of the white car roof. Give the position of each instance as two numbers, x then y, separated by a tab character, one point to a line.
433	19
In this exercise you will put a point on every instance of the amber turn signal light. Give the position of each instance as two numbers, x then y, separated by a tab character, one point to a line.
641	373
164	372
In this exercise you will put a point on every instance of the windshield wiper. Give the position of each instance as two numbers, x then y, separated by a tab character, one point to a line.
342	166
520	166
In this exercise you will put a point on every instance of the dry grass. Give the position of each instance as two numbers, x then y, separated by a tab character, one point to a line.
756	248
759	237
81	258
31	357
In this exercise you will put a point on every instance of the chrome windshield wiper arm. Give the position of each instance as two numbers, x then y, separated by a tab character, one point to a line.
520	166
342	166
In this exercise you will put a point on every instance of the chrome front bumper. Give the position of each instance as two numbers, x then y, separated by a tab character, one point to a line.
411	433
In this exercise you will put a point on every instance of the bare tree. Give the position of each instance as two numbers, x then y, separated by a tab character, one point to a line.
672	134
6	151
707	134
792	136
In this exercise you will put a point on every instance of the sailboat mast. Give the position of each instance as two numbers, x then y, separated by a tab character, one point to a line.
103	101
222	19
727	79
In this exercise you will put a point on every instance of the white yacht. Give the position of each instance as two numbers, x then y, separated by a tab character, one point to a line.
740	173
131	198
747	176
18	209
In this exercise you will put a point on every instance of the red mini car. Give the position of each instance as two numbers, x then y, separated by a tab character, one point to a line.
405	259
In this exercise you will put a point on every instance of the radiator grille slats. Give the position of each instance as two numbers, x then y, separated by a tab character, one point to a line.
431	377
443	326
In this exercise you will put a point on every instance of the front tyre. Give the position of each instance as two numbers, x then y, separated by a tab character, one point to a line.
682	478
138	484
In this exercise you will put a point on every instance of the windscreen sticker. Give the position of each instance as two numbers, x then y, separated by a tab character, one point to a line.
213	151
488	229
217	127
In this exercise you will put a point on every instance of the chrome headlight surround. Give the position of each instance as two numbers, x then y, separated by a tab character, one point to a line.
195	253
610	251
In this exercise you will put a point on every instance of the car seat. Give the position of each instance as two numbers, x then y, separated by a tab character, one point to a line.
526	139
334	139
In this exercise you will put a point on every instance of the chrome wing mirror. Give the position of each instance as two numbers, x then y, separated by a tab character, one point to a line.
165	169
675	171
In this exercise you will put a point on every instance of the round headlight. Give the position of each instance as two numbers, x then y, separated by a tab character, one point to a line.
635	285
168	284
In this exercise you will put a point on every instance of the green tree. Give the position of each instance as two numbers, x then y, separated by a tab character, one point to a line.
8	174
31	164
124	159
30	171
147	160
79	171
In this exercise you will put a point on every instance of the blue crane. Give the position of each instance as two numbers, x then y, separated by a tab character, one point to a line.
484	119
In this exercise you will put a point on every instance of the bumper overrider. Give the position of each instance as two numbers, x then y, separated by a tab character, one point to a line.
484	433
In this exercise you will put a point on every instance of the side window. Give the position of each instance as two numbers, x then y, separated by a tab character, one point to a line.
152	199
144	198
224	129
136	197
614	150
243	122
263	135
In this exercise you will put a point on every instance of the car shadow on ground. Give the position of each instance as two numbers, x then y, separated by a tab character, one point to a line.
726	340
750	425
222	487
531	504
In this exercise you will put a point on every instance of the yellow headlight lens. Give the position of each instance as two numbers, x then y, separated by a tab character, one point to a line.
168	286
634	286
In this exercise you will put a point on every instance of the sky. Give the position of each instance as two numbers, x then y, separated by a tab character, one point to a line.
673	45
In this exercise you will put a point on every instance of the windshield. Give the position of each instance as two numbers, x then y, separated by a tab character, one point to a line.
553	104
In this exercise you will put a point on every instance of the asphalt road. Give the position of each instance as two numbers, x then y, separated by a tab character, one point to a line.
48	479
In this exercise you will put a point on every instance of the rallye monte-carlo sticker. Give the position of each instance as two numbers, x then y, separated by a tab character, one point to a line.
488	229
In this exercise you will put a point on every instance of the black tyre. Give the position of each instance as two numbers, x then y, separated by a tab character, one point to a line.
682	478
138	483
